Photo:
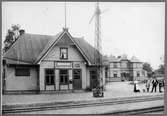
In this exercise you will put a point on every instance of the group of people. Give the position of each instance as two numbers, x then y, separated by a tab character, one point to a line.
154	82
151	83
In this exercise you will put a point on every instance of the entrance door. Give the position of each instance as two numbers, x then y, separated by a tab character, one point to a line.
77	81
93	79
125	76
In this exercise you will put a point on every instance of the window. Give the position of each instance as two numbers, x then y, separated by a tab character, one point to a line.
22	72
124	65
63	53
139	65
93	74
143	73
115	65
115	74
64	76
76	73
49	76
124	74
138	74
131	65
134	65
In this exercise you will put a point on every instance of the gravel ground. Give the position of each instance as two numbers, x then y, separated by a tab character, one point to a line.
113	90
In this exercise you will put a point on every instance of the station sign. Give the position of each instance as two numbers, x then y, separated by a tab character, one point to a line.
64	65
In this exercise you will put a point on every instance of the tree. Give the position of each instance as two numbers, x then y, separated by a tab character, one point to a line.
161	69
12	35
148	68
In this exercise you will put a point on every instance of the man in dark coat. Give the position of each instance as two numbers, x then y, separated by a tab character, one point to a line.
160	85
154	85
163	83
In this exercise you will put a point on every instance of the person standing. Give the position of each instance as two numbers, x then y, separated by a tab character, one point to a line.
136	88
163	83
154	85
160	85
148	85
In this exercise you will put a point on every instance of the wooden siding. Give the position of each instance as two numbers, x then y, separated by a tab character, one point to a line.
21	82
53	57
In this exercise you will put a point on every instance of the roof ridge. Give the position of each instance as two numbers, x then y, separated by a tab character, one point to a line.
39	34
39	44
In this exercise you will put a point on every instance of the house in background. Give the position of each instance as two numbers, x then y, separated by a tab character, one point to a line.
123	69
43	63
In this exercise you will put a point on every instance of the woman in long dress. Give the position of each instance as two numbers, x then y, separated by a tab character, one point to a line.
148	85
136	87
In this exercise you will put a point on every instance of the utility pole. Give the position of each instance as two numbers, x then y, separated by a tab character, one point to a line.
97	44
98	41
65	15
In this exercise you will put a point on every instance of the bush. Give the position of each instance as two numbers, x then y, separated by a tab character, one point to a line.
88	89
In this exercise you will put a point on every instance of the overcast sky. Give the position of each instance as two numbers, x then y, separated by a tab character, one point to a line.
126	28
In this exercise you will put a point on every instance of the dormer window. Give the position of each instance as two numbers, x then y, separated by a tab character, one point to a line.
63	53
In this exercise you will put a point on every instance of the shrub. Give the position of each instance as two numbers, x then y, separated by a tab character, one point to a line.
88	89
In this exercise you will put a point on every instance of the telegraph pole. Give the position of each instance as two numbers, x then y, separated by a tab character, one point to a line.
97	44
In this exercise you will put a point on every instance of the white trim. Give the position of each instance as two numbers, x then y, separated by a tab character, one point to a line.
78	48
53	44
40	59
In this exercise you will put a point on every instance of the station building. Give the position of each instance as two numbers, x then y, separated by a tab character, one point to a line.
124	69
49	63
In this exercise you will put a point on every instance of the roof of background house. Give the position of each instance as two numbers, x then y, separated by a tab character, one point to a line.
134	59
113	59
122	58
30	47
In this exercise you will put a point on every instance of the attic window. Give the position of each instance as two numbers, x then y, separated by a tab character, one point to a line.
63	53
22	72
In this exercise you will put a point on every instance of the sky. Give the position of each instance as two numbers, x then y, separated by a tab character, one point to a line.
134	29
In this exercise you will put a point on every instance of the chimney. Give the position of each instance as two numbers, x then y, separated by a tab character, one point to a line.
119	57
22	32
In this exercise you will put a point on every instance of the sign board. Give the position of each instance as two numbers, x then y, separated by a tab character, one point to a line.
77	65
64	65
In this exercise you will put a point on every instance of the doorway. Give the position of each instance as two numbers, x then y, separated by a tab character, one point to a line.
77	79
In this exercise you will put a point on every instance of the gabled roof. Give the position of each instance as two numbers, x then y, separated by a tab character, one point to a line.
134	59
113	59
124	58
30	48
27	48
48	46
55	41
86	48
